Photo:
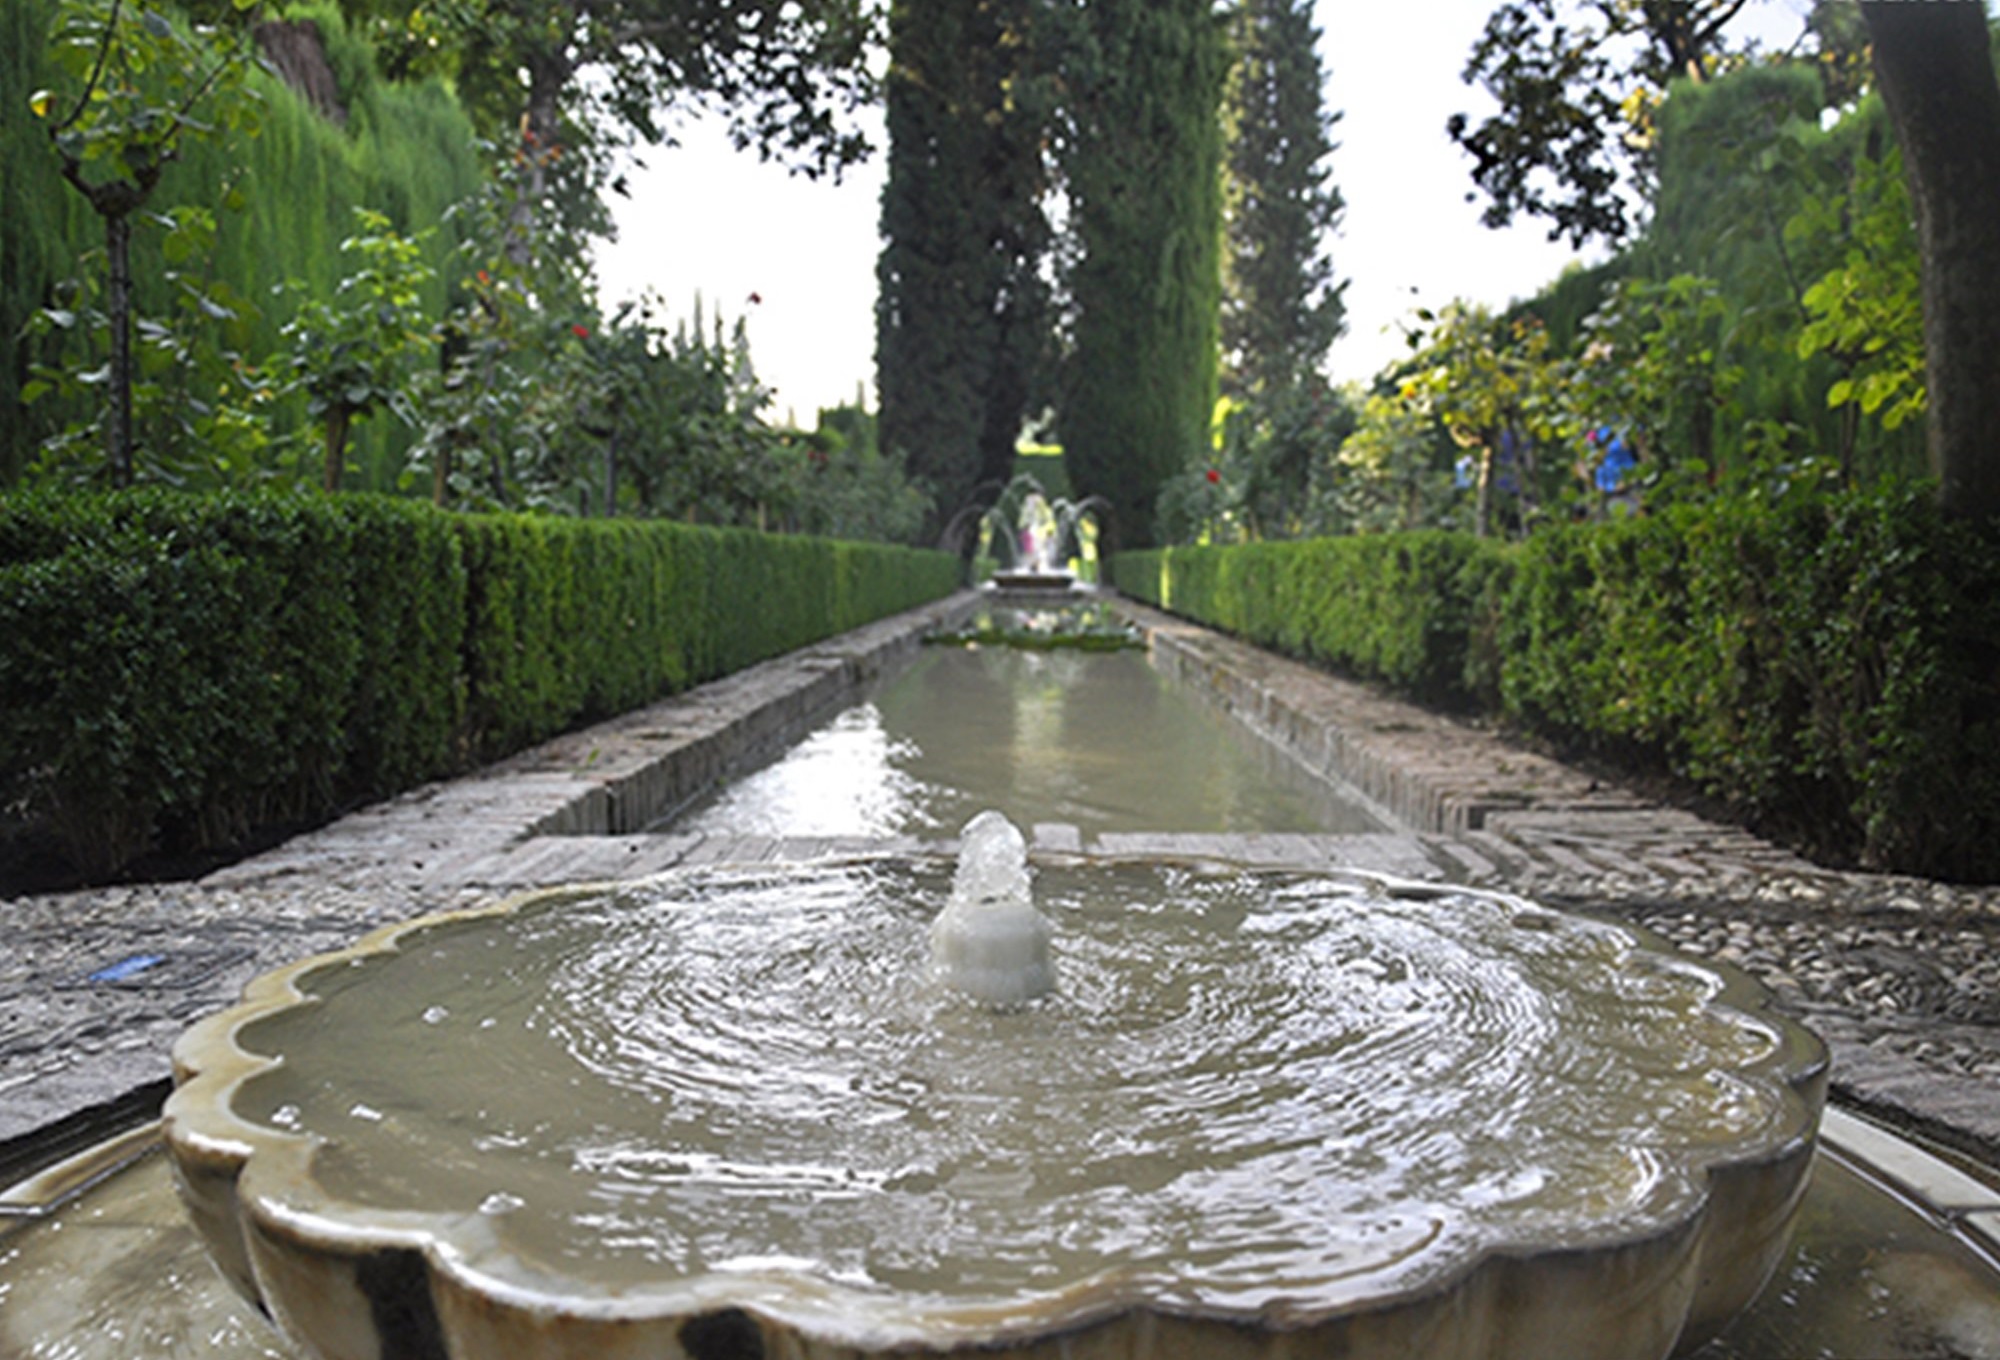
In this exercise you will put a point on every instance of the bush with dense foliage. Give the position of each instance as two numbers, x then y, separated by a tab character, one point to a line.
1827	663
182	670
1392	607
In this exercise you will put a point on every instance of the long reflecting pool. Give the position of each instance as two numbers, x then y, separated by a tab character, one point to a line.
1099	740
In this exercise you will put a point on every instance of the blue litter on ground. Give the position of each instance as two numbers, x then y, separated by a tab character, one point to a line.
127	967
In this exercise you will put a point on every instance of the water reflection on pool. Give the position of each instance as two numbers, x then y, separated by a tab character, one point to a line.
1099	740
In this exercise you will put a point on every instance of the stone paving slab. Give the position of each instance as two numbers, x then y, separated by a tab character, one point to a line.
1901	976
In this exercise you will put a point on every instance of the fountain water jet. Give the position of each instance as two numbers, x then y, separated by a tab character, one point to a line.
989	942
1035	537
708	1115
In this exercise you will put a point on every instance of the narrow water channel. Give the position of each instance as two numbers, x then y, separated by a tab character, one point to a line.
1098	740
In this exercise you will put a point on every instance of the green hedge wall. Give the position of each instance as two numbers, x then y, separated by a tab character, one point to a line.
181	670
1393	607
1827	664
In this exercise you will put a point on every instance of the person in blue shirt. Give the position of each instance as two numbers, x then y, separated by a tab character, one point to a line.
1613	474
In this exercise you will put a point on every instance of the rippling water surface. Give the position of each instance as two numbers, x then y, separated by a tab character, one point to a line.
1261	1088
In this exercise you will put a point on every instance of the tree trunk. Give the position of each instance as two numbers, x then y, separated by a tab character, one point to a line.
337	416
1526	472
441	477
118	419
1934	65
549	72
1482	506
611	474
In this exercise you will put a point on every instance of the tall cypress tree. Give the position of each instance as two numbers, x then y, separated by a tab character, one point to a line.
1280	307
1144	181
962	317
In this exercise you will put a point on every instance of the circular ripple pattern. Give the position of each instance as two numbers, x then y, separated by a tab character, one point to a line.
1248	1091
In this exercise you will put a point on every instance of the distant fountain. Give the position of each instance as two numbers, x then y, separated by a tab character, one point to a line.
721	1114
1034	538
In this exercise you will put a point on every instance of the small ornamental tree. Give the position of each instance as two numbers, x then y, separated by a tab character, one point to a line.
135	85
1867	311
1387	476
1660	359
1488	383
503	343
198	403
350	355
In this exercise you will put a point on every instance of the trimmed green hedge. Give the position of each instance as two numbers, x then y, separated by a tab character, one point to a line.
1828	665
1398	608
181	670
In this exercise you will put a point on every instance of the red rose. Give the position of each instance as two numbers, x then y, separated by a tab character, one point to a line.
580	331
1214	476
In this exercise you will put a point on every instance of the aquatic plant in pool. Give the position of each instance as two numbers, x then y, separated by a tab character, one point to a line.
1079	627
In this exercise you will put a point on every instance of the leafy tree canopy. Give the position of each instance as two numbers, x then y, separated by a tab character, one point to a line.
1576	81
136	86
785	71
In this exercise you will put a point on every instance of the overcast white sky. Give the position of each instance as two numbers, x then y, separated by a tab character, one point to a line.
705	219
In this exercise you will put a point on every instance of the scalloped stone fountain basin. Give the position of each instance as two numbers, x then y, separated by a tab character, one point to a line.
729	1113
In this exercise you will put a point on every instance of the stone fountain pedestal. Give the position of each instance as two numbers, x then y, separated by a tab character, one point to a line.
291	1152
1036	583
